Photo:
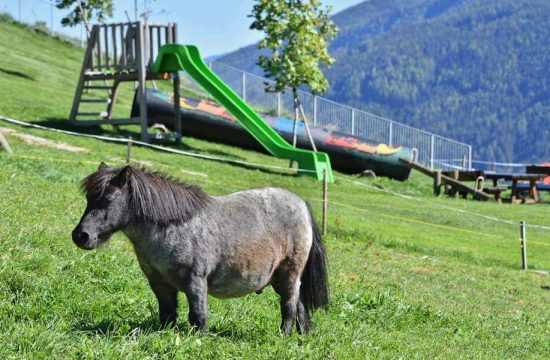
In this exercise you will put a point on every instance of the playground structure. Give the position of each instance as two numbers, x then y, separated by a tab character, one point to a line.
126	52
141	51
118	53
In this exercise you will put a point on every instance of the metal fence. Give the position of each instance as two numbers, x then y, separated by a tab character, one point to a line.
433	150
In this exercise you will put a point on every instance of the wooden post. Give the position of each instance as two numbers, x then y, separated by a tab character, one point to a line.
325	201
464	163
5	144
129	151
437	182
523	242
141	49
307	129
177	105
457	193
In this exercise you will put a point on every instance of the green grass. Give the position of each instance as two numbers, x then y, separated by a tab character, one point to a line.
409	277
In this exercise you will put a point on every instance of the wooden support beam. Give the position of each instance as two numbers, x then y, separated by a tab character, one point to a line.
5	144
437	182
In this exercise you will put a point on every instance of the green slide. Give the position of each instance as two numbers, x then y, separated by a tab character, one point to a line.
173	58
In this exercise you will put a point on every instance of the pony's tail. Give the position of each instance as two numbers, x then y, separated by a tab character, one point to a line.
314	290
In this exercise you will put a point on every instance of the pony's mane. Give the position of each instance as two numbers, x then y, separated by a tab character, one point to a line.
154	196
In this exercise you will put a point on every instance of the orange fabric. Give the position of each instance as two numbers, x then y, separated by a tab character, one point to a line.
546	180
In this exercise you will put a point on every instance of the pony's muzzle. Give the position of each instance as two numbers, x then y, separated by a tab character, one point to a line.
82	238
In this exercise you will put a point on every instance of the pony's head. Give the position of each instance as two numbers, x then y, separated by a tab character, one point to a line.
107	209
118	196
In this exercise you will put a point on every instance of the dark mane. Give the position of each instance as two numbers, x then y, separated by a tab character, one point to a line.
154	196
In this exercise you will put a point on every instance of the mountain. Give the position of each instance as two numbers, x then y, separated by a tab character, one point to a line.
473	70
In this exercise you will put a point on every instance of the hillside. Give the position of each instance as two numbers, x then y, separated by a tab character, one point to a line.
473	70
411	275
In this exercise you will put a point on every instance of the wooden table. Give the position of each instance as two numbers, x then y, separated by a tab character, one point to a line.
474	175
514	178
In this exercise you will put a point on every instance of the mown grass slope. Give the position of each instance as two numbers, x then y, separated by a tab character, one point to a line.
410	276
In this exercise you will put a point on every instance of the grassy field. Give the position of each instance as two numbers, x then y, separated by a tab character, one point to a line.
413	276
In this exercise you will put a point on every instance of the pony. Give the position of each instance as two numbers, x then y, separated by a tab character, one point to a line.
224	246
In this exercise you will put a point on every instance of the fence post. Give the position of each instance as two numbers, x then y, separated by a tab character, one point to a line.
390	135
244	86
314	110
129	151
325	201
523	242
432	140
352	121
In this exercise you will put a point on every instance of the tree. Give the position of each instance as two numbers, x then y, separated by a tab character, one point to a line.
82	11
297	33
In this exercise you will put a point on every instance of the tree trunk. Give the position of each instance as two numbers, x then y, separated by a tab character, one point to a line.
296	103
84	13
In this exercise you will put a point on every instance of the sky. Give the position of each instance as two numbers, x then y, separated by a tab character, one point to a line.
215	26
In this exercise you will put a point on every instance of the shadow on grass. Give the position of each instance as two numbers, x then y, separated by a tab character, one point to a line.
16	73
109	327
151	325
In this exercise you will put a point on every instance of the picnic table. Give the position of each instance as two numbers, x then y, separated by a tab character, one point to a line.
514	178
495	177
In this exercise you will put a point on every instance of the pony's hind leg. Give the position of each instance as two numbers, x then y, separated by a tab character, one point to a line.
303	319
287	285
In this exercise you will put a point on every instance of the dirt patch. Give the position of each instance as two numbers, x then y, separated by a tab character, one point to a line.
40	141
349	277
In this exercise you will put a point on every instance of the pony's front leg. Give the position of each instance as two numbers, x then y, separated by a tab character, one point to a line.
167	298
197	295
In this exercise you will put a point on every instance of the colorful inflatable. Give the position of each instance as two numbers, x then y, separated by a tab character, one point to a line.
207	120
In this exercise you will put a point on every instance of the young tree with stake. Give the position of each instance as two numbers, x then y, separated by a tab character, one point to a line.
298	33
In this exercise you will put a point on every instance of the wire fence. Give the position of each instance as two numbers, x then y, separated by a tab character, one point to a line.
433	150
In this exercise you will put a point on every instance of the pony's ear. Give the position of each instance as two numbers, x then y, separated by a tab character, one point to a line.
123	176
102	166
